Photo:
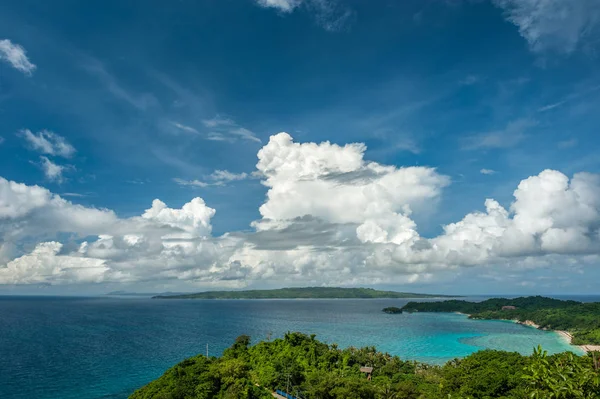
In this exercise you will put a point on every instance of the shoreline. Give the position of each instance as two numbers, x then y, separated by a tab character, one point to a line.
569	338
563	334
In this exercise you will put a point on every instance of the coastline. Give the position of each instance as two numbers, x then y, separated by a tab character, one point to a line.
569	338
563	334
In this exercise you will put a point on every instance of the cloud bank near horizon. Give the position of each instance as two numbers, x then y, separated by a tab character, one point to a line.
329	216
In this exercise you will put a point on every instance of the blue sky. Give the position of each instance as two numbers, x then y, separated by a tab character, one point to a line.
173	101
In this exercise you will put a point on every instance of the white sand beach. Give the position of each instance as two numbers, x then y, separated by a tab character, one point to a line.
586	348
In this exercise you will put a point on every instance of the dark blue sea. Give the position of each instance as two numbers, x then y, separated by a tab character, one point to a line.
80	348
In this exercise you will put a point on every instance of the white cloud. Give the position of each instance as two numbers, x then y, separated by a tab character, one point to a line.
511	135
185	128
193	218
125	249
281	5
549	107
197	183
217	178
218	121
304	178
328	13
329	215
244	134
48	142
225	176
487	171
553	25
52	171
17	200
43	265
16	56
226	129
34	211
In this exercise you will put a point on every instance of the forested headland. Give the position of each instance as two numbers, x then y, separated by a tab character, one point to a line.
306	368
581	320
302	293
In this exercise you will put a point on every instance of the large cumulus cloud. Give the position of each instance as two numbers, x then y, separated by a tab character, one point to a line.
329	216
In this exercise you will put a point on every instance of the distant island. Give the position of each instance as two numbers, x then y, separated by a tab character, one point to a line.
392	310
578	322
142	294
302	293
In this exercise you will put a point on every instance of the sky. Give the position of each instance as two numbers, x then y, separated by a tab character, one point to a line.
442	146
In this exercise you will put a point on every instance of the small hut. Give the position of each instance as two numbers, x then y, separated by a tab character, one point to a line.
368	371
509	307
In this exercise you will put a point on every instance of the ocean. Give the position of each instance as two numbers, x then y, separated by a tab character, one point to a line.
106	347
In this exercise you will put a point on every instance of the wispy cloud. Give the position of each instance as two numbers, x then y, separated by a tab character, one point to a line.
217	178
571	97
187	129
226	129
407	144
16	56
556	25
487	171
196	183
52	171
568	143
548	107
214	136
47	142
1	139
218	121
226	176
329	14
470	80
508	137
138	181
281	5
141	101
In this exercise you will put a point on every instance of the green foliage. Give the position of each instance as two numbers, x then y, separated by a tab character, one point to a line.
562	376
309	369
298	293
392	310
484	374
581	319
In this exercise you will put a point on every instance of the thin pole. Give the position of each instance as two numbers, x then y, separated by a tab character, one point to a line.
207	351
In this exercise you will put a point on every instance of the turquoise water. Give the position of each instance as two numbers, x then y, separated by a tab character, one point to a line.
78	348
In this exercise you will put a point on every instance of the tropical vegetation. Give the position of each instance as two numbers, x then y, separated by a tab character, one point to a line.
306	368
392	310
582	320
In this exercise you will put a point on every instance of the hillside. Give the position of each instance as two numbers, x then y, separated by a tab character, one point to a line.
301	293
309	369
582	320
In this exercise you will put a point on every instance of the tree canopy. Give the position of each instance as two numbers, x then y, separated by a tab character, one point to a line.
582	320
309	369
